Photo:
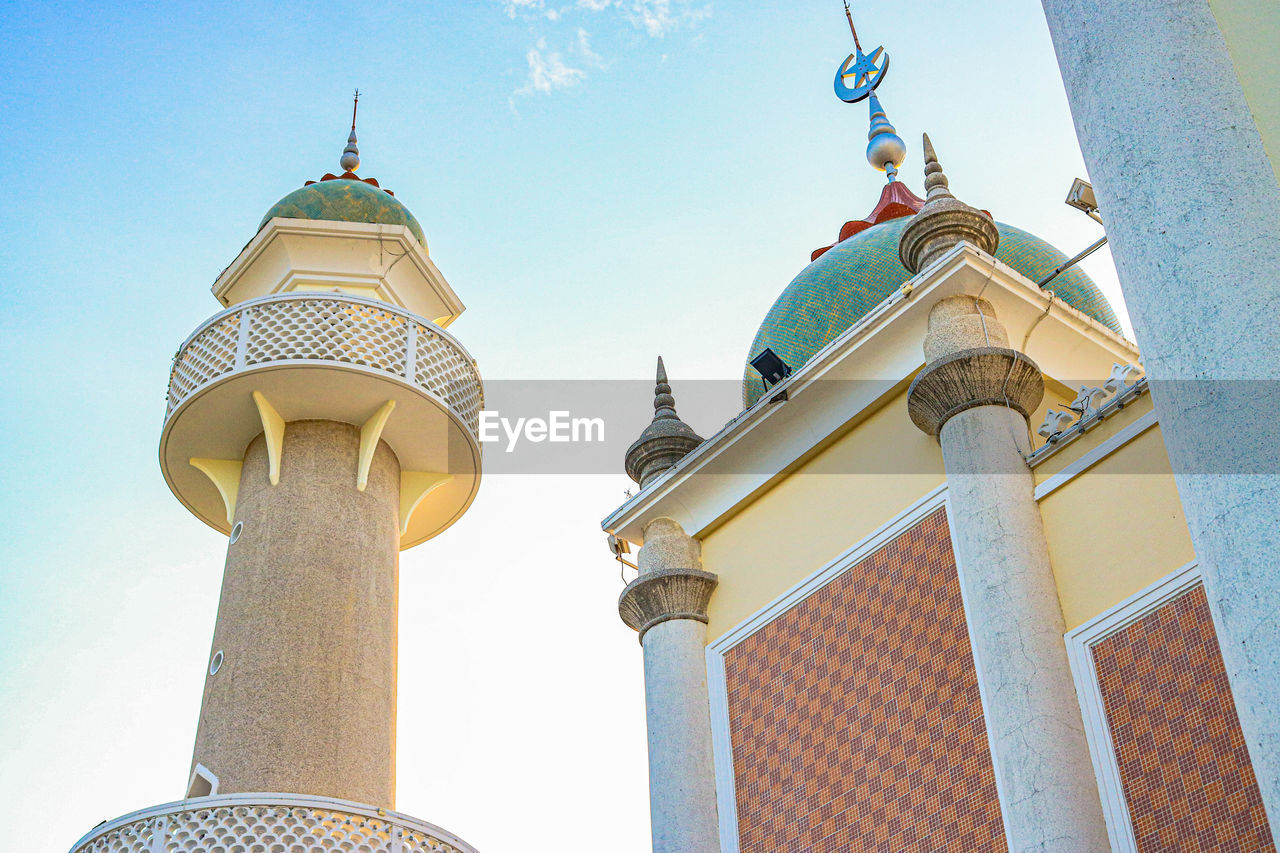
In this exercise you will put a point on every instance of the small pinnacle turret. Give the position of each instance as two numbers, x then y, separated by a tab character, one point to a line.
665	441
943	221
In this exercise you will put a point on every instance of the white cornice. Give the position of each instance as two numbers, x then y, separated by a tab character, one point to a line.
397	240
871	359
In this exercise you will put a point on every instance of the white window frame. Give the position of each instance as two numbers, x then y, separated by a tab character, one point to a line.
722	745
1080	642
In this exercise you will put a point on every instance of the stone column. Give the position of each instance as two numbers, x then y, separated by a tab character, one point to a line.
975	395
1193	212
667	604
304	698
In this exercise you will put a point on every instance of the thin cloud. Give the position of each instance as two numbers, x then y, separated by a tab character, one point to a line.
548	71
659	17
584	50
515	8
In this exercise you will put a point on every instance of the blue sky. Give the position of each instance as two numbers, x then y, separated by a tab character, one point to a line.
600	182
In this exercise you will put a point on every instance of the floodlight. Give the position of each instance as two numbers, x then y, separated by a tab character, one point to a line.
771	368
1081	197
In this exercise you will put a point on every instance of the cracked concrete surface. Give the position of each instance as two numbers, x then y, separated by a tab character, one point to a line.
682	784
1051	801
1193	211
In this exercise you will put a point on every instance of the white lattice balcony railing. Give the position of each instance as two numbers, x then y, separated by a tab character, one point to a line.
325	356
267	823
298	328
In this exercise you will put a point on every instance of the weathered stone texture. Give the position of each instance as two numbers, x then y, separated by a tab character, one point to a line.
1193	212
682	787
1042	758
658	596
305	699
667	604
976	401
970	378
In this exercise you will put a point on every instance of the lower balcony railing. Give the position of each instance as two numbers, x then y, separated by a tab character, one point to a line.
267	823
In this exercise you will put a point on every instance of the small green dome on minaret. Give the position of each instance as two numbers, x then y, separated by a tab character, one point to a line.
345	200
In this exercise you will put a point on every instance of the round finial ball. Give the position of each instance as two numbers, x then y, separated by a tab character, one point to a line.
886	148
350	161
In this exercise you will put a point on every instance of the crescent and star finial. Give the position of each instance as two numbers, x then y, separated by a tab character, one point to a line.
861	68
857	79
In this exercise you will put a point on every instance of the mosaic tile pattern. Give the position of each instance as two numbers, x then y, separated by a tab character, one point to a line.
1183	762
345	200
857	274
855	716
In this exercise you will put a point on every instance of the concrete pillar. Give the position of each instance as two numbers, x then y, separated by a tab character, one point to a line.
667	604
304	698
974	395
1193	211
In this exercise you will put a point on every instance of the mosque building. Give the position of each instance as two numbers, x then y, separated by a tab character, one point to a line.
324	421
970	571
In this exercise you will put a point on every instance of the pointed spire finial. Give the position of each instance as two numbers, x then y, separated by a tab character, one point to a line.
664	405
935	180
943	221
665	441
350	161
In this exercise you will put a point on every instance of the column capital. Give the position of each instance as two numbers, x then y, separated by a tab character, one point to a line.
666	594
981	376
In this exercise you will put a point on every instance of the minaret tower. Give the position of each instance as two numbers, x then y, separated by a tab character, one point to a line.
324	421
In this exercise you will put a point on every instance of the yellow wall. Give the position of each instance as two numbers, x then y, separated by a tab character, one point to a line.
1112	531
757	555
811	517
1116	528
1252	32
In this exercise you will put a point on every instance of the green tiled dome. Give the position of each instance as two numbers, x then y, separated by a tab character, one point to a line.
845	283
345	200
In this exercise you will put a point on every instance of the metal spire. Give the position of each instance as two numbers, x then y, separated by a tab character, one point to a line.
857	44
861	68
885	149
350	161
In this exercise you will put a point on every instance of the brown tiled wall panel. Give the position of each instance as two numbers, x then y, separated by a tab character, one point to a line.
855	716
1183	763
